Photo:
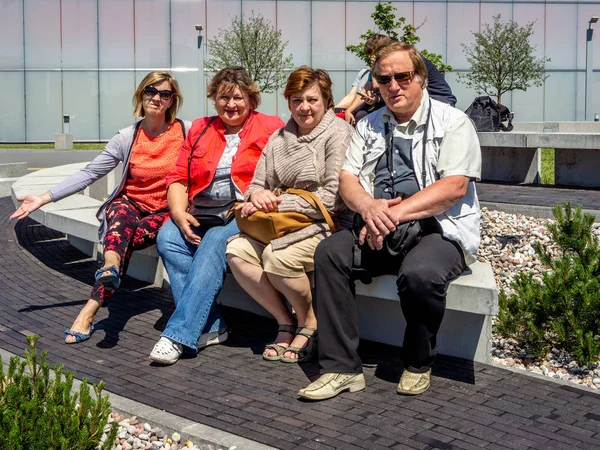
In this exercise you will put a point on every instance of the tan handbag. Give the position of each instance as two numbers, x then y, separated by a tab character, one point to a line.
264	227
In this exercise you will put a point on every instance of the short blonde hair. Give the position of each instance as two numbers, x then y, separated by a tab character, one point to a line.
413	53
156	78
226	80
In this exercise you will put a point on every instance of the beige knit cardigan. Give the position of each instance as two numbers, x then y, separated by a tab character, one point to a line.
312	162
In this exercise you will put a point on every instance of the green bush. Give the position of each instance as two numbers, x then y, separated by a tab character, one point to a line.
38	411
563	309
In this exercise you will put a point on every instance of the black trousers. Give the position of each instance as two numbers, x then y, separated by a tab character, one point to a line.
422	280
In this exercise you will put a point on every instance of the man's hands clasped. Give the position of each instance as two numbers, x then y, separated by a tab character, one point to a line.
380	221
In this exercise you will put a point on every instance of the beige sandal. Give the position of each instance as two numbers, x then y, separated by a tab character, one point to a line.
305	353
279	349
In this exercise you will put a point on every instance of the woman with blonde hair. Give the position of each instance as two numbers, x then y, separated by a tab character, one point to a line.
132	215
307	154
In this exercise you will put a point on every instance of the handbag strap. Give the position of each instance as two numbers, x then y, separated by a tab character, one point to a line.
189	165
315	202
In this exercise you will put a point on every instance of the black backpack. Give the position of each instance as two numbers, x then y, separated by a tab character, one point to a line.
487	115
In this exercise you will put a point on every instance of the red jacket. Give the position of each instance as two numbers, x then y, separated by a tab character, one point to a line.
209	149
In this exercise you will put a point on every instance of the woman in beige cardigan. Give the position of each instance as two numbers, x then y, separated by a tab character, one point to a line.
308	154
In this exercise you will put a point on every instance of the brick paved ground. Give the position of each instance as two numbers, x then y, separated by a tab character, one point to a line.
537	195
44	281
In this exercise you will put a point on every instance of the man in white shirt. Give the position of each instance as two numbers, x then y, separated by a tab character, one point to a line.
413	162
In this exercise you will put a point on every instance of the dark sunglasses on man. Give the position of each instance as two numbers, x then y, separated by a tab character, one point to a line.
151	91
400	77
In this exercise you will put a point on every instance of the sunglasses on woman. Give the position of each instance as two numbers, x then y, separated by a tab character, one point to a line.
151	91
400	77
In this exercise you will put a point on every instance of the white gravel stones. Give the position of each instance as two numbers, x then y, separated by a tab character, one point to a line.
135	436
507	243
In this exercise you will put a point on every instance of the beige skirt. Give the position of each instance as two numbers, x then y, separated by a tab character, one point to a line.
293	261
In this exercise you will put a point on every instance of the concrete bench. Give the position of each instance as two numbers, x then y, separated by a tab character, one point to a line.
515	156
9	173
465	332
471	302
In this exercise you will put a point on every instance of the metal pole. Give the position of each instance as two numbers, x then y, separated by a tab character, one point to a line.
589	69
201	72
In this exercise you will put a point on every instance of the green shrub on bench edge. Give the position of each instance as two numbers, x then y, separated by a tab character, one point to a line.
562	310
38	411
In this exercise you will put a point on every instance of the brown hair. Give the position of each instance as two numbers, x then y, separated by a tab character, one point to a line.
226	80
156	78
413	53
304	77
376	41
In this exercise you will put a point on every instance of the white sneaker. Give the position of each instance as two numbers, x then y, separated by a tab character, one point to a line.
166	351
213	338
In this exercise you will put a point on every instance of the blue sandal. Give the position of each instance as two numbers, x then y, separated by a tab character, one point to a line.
79	337
110	282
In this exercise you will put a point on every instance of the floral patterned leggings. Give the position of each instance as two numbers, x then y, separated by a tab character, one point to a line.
130	228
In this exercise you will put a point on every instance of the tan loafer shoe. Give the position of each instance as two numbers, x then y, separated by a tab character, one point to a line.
329	385
414	383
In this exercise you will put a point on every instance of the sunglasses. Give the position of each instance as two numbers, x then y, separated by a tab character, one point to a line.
151	91
401	77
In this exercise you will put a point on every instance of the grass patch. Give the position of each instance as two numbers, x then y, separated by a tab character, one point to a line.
547	166
76	146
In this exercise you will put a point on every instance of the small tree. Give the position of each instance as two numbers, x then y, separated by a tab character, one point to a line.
386	22
254	44
563	309
502	60
38	410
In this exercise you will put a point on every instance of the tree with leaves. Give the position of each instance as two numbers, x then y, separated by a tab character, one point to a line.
502	60
255	44
386	22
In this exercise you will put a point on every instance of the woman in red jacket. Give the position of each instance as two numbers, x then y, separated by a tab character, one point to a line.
215	166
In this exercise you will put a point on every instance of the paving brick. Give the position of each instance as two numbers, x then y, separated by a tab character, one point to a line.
576	435
324	431
383	441
315	445
435	443
457	443
444	431
504	446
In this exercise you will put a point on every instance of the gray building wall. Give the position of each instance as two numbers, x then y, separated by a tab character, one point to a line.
85	57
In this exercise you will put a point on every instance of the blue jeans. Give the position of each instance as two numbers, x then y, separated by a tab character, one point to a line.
196	274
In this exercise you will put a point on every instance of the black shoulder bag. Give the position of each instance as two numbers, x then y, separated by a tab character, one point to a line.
210	212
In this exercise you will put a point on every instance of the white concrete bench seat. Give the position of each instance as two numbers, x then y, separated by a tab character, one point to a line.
471	302
515	156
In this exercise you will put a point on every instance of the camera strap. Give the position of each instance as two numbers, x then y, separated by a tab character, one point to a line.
389	149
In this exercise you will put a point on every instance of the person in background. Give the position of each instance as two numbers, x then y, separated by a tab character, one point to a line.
133	214
362	87
369	100
213	171
307	154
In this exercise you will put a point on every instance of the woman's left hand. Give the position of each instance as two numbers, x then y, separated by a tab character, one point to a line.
247	209
264	200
